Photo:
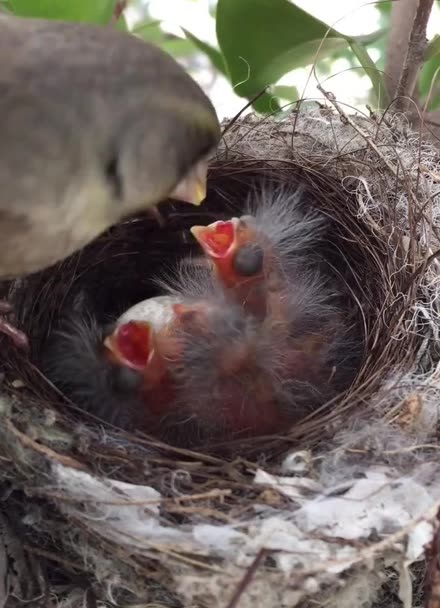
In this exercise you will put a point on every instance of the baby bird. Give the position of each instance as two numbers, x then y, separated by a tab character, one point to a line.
207	375
259	257
274	261
96	125
79	360
195	367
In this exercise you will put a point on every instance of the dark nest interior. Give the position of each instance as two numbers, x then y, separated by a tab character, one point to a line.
377	256
119	269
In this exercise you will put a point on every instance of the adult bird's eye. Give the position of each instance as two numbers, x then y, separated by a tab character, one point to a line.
248	261
113	176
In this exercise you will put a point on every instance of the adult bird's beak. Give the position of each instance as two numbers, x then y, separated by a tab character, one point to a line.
192	188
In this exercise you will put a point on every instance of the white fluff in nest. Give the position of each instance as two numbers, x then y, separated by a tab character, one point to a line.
384	512
129	515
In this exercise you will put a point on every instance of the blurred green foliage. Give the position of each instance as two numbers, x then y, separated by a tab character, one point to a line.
258	42
96	11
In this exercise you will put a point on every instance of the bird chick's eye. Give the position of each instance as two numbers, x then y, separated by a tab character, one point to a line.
248	261
113	176
126	380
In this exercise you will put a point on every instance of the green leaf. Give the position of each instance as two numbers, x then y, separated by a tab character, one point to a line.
371	39
177	47
429	81
5	7
261	40
285	92
266	104
91	11
434	103
121	24
144	27
213	54
433	48
373	73
384	7
151	31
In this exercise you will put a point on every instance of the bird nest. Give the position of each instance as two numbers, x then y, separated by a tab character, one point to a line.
340	510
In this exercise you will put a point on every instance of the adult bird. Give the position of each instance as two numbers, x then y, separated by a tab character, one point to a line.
96	125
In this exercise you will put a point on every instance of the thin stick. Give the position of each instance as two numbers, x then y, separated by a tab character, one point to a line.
244	583
68	564
120	7
366	136
66	461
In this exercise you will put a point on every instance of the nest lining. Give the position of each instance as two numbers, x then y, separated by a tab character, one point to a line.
155	523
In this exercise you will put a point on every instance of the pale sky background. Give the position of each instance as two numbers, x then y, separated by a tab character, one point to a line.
353	17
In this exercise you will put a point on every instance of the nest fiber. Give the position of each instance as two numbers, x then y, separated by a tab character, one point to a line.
342	509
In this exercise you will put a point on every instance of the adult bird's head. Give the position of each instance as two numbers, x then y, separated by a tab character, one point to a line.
96	125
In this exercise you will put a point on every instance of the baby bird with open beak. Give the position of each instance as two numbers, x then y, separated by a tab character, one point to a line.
259	257
207	374
193	366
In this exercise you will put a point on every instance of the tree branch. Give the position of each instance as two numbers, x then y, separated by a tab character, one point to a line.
120	7
415	54
403	13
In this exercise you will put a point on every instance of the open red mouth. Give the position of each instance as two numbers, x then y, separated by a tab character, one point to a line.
217	238
132	342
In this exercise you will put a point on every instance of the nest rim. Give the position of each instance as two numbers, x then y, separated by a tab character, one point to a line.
384	266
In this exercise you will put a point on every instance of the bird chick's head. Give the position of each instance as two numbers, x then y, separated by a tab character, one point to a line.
211	368
219	334
235	248
137	345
